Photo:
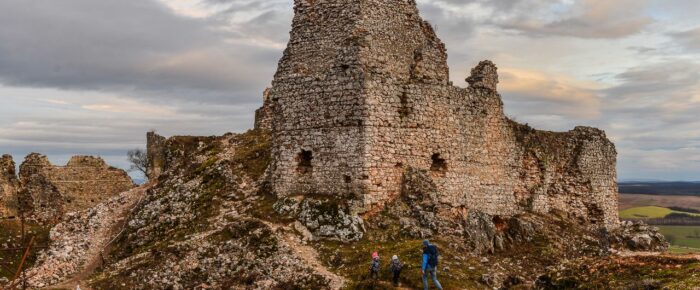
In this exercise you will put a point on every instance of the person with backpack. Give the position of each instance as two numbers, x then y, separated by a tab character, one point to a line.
430	263
395	267
374	267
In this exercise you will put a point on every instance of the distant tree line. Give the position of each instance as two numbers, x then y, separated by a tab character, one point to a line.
675	219
684	209
660	188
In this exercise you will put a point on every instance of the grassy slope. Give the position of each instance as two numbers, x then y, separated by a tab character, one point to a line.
644	212
685	236
10	233
643	272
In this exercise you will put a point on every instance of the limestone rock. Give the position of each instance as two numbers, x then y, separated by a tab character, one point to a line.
638	236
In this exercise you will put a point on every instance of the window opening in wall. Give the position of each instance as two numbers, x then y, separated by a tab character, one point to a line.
404	109
304	158
439	164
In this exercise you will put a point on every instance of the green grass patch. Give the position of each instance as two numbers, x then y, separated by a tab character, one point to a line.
353	261
10	237
648	212
683	236
683	250
252	154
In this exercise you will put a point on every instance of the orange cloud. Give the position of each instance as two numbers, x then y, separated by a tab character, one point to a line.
559	93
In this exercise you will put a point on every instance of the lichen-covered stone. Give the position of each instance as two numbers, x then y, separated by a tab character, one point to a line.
325	217
637	236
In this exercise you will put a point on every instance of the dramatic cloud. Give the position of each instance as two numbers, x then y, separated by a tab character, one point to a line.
128	45
542	18
689	39
552	95
92	76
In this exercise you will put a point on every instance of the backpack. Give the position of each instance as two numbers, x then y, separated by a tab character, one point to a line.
432	252
375	267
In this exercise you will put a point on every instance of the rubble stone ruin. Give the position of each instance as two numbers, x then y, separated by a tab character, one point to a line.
363	93
44	192
9	186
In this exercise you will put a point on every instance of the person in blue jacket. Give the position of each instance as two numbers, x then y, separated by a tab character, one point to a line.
430	263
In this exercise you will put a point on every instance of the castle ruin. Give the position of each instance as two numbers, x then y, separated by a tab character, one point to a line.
363	93
44	192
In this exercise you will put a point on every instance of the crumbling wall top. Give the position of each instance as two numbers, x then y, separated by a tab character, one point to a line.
86	161
484	76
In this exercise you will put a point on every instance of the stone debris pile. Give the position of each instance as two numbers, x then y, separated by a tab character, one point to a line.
78	240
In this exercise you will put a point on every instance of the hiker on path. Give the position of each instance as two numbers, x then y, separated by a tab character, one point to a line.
374	266
430	263
395	267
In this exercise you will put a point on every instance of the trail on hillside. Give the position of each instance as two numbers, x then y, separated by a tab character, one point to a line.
310	256
79	241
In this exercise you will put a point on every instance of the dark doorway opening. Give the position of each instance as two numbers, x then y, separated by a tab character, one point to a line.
304	158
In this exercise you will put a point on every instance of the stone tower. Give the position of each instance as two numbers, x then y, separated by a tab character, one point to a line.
362	93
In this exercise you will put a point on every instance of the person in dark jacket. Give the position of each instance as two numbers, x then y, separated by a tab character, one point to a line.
395	267
374	267
430	263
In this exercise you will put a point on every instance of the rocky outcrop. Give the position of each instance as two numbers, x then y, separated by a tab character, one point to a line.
203	224
637	236
325	217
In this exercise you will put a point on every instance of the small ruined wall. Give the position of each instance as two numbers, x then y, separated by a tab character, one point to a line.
164	153
47	191
263	116
155	151
9	187
362	93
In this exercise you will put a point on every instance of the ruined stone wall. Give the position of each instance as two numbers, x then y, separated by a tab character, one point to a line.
263	116
363	93
164	153
48	191
155	154
318	104
9	186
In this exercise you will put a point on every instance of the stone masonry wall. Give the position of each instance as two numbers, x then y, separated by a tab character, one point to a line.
164	153
263	116
155	154
9	187
47	191
362	93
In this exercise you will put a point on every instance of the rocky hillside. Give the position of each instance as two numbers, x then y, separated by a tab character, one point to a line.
209	222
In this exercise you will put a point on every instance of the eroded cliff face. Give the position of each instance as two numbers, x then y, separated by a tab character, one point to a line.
362	94
45	192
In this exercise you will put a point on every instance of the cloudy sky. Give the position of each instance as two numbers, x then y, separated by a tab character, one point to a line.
92	76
